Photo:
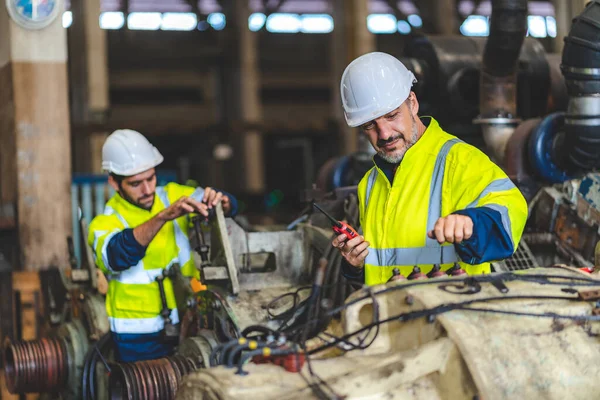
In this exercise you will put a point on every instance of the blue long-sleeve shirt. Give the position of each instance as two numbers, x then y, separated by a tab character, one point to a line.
124	251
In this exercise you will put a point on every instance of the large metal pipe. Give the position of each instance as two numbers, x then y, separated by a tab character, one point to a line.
581	69
498	80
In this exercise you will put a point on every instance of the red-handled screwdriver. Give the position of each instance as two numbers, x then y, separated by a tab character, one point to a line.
339	226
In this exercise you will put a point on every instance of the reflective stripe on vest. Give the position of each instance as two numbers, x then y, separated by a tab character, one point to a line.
499	185
140	276
108	210
198	194
183	244
141	325
432	252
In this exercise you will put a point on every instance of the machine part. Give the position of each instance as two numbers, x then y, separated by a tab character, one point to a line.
448	71
581	69
396	276
264	259
94	314
199	348
202	248
522	259
36	366
455	270
210	311
467	286
416	274
470	339
576	233
518	167
542	143
436	272
496	134
586	197
153	380
76	342
48	365
498	79
170	332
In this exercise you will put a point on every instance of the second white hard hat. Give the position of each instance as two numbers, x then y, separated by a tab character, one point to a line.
373	85
127	152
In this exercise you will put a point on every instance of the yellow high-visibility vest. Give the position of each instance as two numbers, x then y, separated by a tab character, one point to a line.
133	302
439	175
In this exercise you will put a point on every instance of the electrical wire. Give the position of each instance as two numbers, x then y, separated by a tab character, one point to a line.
88	377
464	306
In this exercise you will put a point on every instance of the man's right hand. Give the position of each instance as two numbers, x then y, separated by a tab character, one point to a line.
354	250
185	205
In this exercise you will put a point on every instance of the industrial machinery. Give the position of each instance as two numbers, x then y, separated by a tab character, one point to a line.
528	334
248	279
77	322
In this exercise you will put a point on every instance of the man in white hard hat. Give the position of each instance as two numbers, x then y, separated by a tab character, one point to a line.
431	200
142	232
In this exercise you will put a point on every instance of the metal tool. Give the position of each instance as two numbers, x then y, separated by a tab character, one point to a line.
170	332
339	226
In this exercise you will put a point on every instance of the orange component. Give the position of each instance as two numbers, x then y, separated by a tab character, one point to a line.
290	362
197	286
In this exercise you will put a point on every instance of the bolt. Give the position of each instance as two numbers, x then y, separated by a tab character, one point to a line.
430	318
410	300
326	304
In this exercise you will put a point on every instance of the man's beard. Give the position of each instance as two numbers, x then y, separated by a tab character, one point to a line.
137	203
398	154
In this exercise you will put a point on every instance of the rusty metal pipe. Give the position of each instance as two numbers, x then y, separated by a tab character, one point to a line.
498	81
38	366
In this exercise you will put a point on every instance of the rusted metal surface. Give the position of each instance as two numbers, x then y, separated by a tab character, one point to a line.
152	380
516	153
575	233
35	366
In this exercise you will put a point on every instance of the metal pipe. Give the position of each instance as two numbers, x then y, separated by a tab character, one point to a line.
498	81
581	69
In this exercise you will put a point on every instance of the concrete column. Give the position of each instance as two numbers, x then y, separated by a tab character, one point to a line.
35	155
441	15
350	39
89	82
565	11
242	93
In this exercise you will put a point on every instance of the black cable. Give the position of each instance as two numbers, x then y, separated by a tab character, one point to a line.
226	347
88	377
240	348
544	315
260	329
460	306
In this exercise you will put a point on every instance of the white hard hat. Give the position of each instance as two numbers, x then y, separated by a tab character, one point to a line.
373	85
127	152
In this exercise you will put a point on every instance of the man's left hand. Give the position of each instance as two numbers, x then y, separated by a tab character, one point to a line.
452	229
212	198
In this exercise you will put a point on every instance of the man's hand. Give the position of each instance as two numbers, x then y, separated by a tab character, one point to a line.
185	205
212	198
354	251
452	229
